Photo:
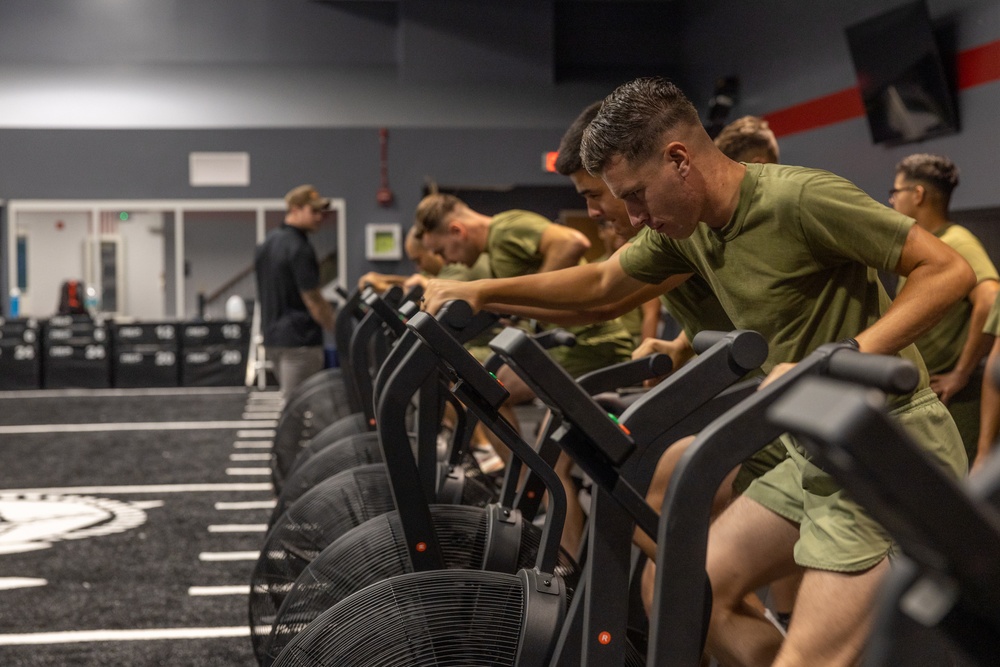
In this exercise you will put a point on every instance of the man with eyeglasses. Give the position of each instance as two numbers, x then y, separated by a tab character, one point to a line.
953	349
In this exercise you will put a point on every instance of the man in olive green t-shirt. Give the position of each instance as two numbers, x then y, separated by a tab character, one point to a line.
954	349
520	243
792	253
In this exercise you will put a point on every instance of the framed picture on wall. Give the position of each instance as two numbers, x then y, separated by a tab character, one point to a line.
383	241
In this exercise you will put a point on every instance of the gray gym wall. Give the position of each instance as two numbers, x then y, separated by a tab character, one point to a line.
106	98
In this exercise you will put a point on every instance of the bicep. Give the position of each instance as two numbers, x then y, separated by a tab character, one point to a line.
921	248
563	241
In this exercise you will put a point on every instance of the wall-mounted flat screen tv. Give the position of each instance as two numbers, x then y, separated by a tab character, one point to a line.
900	74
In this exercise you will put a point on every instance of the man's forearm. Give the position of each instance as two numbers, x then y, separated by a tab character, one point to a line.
319	309
977	344
937	278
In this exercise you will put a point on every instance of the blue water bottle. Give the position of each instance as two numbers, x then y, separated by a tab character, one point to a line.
15	303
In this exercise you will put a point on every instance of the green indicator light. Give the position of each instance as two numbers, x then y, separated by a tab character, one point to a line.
123	216
492	375
613	418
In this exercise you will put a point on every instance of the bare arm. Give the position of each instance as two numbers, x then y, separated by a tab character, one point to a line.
582	317
650	318
989	411
679	349
977	344
319	308
937	277
561	247
580	289
380	282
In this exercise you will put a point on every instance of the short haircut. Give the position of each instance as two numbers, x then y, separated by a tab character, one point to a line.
936	171
747	138
632	121
568	159
432	211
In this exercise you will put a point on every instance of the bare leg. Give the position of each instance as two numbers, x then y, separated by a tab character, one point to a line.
573	527
519	393
658	491
748	547
832	617
782	593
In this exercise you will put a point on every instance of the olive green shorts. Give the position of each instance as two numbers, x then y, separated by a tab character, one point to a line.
758	464
836	533
594	352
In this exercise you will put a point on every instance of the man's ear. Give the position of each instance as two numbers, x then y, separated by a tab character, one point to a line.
677	154
920	194
455	227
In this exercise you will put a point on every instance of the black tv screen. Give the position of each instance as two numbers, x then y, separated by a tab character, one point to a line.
906	94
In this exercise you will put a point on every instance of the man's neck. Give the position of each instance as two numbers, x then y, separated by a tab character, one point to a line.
725	179
932	221
478	226
297	225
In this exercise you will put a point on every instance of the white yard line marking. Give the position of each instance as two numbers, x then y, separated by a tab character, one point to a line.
79	636
262	415
236	472
246	505
10	583
148	488
253	456
150	391
222	556
264	433
18	429
218	590
238	528
252	444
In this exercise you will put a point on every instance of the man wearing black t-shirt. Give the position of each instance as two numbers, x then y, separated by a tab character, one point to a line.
294	313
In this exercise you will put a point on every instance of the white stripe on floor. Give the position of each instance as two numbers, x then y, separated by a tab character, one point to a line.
236	472
78	636
262	415
196	591
254	456
10	583
149	391
252	444
148	488
238	528
18	429
246	505
221	556
269	433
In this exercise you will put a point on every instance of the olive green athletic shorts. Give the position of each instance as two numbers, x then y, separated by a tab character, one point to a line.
835	533
594	352
758	464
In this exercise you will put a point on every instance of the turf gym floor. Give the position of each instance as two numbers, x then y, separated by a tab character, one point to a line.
129	524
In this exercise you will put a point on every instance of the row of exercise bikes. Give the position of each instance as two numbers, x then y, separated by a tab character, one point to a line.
389	546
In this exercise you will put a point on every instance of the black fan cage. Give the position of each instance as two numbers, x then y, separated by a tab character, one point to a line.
311	524
344	427
426	619
350	452
480	489
376	550
306	414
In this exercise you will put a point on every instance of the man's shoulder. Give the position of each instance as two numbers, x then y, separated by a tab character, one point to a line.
957	235
519	217
777	175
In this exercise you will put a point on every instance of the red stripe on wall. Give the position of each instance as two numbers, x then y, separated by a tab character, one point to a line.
975	67
979	65
827	110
